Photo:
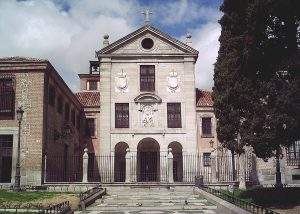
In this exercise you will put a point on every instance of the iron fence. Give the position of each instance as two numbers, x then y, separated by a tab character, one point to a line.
147	167
253	208
61	208
63	169
153	167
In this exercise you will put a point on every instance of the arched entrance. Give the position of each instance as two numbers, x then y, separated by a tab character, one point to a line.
148	162
177	161
120	162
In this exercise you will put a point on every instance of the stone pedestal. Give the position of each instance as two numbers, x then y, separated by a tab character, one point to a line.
128	170
242	172
213	169
85	160
163	167
170	166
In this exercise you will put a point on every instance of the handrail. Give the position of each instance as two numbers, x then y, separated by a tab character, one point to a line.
251	207
61	208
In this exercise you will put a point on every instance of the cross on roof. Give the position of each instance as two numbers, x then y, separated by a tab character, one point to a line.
147	14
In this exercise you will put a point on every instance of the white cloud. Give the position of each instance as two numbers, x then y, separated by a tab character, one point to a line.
39	28
42	29
185	11
206	41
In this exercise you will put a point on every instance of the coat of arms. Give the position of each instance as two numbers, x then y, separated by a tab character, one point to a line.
121	82
173	82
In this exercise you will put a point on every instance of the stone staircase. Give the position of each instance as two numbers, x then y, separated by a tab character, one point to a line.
151	200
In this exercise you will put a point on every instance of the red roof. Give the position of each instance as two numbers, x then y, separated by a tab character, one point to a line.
204	98
89	98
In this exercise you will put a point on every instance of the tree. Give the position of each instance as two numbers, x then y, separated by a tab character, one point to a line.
227	79
256	91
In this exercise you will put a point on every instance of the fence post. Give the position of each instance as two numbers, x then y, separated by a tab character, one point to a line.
242	177
127	159
85	161
45	169
170	166
213	169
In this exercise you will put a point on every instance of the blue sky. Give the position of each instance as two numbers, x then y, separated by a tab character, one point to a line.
67	32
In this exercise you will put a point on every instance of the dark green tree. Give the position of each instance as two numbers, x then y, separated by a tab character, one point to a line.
256	91
272	66
227	78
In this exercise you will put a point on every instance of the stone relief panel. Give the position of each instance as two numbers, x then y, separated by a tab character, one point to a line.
173	80
148	115
160	46
121	82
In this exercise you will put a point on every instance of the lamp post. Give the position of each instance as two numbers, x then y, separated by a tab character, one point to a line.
17	186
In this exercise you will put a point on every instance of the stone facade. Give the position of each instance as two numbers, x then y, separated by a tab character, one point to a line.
123	59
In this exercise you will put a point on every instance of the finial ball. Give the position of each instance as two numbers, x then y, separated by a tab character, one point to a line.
188	35
106	36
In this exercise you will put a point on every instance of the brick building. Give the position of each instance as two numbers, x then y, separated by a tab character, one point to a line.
51	123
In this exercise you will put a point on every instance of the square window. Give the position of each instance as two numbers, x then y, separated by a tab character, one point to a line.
174	115
122	115
206	159
206	126
7	99
147	78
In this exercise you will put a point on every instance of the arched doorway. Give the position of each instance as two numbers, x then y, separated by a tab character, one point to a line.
148	162
120	162
177	161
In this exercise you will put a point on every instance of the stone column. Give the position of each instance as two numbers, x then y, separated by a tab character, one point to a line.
163	158
128	171
170	166
213	169
242	166
85	160
45	168
133	166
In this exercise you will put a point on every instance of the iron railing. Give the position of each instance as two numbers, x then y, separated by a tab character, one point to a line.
146	167
153	168
61	208
253	208
63	169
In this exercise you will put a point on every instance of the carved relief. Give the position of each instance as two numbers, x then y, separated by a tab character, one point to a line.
148	115
173	82
121	82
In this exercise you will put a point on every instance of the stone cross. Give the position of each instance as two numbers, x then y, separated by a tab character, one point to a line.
147	14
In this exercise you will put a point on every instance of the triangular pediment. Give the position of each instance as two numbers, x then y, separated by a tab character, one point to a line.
163	44
147	98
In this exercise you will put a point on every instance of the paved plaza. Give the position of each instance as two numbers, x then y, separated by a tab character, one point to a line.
151	201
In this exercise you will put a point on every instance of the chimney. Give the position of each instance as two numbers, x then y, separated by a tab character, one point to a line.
188	39
105	41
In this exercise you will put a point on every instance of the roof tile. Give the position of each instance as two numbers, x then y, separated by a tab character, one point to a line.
204	98
89	98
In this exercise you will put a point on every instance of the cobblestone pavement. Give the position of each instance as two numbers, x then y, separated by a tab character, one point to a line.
151	201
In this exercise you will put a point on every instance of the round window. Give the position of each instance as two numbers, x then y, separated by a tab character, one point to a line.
147	43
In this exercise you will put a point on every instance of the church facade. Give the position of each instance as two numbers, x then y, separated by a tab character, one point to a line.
147	96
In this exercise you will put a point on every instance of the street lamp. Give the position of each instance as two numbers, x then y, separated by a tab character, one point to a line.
211	143
17	186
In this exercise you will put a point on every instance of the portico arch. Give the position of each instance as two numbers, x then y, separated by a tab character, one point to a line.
177	161
120	162
148	161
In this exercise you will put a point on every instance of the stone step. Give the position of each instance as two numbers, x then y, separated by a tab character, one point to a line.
153	208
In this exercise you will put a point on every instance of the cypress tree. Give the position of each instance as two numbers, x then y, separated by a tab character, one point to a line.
257	90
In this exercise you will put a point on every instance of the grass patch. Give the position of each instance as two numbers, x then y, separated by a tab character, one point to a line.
269	197
8	196
37	198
